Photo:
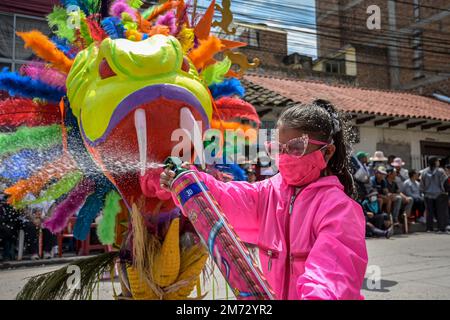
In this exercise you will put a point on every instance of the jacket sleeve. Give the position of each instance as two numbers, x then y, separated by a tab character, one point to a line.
336	264
241	204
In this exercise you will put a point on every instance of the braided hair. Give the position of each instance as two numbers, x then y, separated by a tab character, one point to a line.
322	121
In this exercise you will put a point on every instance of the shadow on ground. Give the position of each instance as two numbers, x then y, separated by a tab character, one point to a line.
369	285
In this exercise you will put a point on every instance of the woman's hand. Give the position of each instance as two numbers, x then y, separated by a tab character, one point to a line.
166	177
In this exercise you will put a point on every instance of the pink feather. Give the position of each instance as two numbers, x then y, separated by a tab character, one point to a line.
44	73
67	208
120	6
169	20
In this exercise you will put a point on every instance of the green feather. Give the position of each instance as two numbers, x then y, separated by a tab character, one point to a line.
135	4
84	31
33	138
106	228
215	72
60	188
93	6
59	19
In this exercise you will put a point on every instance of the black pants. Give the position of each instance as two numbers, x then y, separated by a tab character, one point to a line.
419	204
437	208
376	226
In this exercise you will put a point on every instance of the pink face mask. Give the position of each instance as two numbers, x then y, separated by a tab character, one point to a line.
301	170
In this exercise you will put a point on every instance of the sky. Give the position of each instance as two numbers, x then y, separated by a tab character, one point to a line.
297	17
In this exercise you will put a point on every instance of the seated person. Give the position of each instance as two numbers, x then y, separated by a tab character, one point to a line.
377	222
378	182
397	197
411	188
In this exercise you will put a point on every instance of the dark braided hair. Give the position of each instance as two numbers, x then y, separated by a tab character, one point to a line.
322	121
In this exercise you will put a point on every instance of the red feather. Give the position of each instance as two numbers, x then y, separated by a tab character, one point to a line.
15	112
229	108
97	32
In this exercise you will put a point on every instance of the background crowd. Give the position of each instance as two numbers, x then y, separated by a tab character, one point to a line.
393	196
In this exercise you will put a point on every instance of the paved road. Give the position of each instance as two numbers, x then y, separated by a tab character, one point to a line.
416	266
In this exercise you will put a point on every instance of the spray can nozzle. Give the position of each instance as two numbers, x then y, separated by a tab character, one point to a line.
174	164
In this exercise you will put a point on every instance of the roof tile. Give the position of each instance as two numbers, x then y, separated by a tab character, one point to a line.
349	99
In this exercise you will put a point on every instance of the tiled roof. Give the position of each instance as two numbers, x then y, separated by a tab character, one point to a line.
272	91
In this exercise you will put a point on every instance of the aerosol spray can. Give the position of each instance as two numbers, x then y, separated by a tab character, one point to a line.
227	250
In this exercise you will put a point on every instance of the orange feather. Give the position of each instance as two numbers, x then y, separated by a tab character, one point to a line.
143	25
46	50
205	52
203	27
36	182
162	9
159	29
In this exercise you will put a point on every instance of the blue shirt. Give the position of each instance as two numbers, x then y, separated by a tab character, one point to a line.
380	186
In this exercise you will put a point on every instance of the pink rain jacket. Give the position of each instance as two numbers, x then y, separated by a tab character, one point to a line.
311	241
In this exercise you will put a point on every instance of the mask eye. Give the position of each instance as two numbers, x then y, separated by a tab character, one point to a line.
185	66
105	70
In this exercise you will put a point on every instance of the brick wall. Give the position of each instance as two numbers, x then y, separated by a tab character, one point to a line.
349	26
271	50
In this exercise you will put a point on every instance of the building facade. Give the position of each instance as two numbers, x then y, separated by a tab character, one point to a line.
409	51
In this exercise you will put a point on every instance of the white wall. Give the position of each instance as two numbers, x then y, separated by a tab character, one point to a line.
370	136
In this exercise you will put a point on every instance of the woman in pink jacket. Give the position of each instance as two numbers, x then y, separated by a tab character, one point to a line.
310	233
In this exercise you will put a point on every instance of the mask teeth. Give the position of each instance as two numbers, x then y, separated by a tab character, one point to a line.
140	122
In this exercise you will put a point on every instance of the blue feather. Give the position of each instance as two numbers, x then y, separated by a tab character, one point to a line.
228	87
91	208
65	47
234	169
113	27
23	164
86	216
18	85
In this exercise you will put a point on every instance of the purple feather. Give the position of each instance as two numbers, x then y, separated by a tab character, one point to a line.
67	208
120	6
169	20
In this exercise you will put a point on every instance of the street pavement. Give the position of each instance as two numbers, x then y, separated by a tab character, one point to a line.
415	266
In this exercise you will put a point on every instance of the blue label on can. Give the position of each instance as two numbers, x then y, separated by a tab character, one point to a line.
190	191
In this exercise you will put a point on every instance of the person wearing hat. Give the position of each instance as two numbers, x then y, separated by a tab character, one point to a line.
378	182
378	159
402	173
377	222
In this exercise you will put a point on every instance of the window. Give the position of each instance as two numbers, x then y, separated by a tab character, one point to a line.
335	66
249	36
12	51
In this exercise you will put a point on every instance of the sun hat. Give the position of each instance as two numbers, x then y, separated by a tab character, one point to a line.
378	156
398	162
381	169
